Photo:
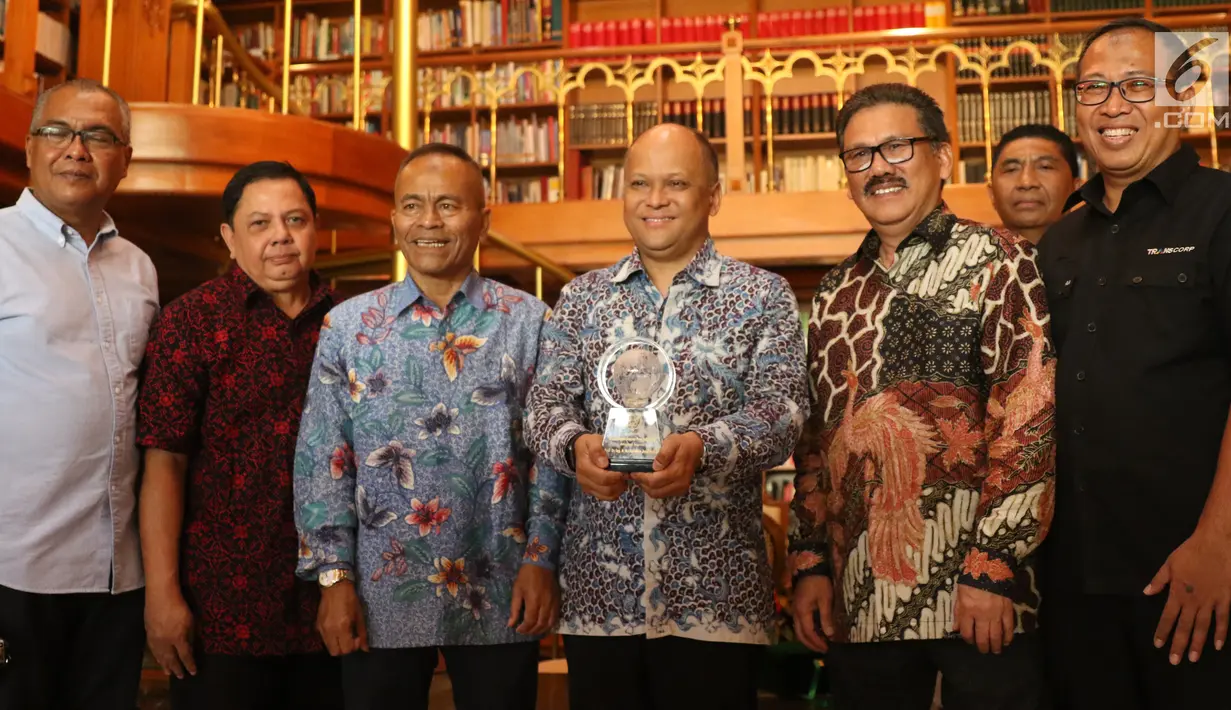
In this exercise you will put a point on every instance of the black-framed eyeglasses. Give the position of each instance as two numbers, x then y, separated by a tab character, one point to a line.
59	136
894	151
1137	90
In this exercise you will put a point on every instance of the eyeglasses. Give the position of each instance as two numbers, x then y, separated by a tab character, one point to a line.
1137	90
58	136
894	151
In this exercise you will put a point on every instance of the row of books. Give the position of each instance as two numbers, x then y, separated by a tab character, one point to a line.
607	124
461	93
602	182
793	23
543	189
518	141
981	8
490	23
713	119
1009	109
1085	5
316	38
808	173
331	93
1020	62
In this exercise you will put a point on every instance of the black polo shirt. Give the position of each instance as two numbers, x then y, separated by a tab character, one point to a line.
1140	301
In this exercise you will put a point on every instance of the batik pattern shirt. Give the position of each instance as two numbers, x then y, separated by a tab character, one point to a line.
692	566
927	461
412	471
225	375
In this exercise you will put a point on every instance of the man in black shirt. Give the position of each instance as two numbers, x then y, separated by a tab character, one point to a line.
1138	563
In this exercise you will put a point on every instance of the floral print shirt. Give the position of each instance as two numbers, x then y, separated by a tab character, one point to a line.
411	469
692	566
928	460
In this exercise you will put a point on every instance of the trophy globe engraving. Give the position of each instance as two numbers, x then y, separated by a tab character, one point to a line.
636	378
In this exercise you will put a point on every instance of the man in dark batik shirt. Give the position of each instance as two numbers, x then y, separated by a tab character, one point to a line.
925	470
228	367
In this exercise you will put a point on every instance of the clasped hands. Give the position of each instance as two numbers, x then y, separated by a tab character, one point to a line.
674	468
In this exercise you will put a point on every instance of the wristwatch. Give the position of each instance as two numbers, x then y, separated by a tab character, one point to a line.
333	576
570	451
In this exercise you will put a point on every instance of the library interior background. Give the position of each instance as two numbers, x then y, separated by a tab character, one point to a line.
546	95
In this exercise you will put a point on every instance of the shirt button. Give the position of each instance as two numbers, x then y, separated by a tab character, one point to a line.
1091	327
1081	375
99	299
117	390
1115	228
1182	278
1102	281
1136	279
118	439
1079	430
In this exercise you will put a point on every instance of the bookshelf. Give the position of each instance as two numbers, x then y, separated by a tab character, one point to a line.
546	93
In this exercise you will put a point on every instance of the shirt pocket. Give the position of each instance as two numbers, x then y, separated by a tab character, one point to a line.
1166	296
136	314
1061	285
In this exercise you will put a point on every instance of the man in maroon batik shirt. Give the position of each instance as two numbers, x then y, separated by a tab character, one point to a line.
227	370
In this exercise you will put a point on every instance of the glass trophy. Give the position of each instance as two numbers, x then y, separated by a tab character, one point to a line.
636	378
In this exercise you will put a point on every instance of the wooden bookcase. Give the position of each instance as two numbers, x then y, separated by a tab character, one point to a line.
38	41
582	159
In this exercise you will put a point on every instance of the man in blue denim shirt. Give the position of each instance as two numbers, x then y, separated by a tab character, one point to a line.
414	489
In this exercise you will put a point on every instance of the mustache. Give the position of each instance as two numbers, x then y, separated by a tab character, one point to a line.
880	181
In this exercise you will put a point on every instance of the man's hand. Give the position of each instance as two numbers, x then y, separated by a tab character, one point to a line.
813	593
340	620
1199	574
168	628
984	618
592	473
674	467
536	590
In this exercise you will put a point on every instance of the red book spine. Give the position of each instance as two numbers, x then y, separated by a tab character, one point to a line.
622	35
919	14
649	35
587	34
882	18
797	23
610	34
690	29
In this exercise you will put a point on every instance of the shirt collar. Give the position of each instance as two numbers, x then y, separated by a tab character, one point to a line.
1167	177
935	229
406	292
244	289
705	267
52	226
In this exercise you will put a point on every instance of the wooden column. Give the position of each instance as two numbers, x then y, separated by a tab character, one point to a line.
140	38
733	82
20	38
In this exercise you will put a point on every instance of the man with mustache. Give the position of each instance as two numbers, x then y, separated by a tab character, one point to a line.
1034	170
227	369
416	495
667	599
76	303
925	469
1138	570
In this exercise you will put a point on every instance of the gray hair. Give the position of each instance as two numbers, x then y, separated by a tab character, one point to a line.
85	86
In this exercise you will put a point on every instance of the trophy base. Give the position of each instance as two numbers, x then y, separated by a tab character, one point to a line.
632	466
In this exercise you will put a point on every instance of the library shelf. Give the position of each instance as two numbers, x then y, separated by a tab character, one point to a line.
599	147
504	167
455	53
521	107
1168	10
1094	14
1005	80
374	62
999	19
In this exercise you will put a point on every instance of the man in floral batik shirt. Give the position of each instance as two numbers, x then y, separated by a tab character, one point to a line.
667	598
414	489
925	470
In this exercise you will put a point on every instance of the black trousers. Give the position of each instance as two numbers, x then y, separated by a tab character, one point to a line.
295	682
1101	655
71	651
901	675
497	677
633	673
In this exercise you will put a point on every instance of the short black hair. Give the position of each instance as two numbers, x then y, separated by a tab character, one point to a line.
931	118
1132	23
441	149
255	172
1046	131
707	150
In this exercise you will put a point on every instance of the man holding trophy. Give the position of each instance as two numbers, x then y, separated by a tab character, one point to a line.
667	384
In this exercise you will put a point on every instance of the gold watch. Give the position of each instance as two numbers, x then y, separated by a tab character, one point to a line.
332	577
